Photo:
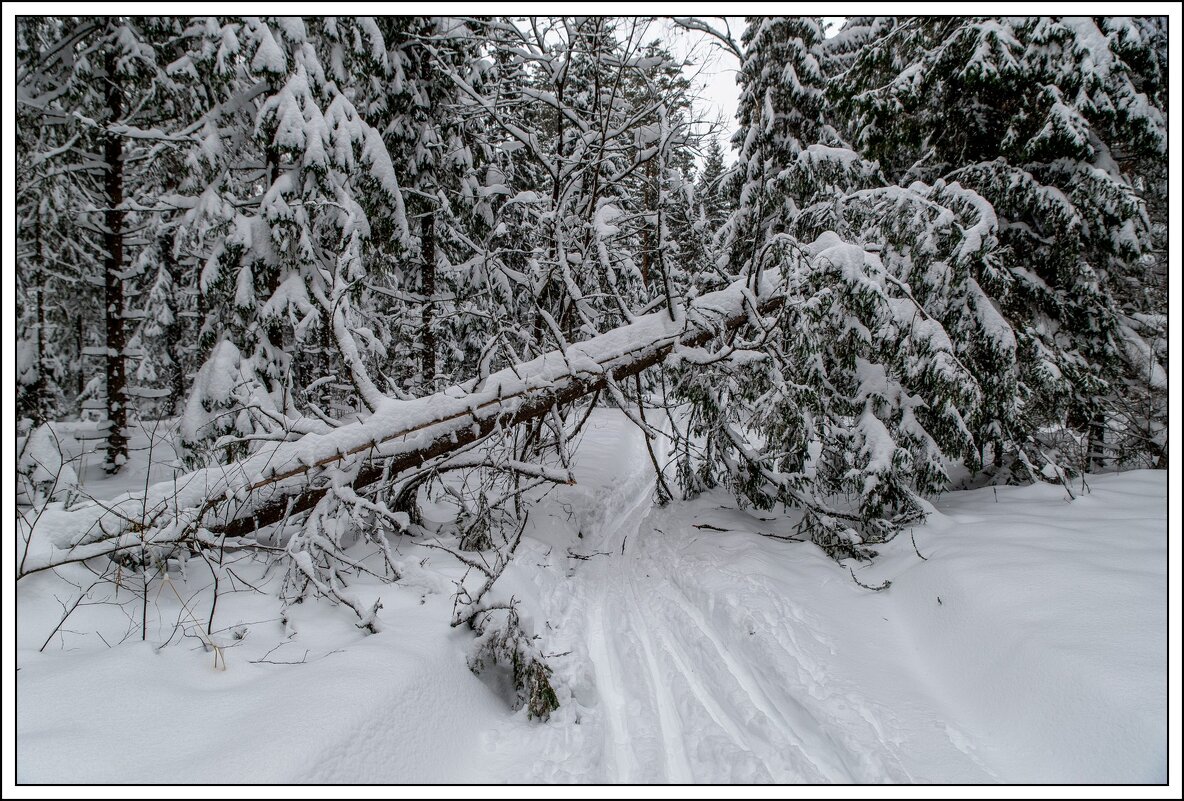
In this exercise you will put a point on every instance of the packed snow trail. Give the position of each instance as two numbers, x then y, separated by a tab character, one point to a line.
676	693
642	630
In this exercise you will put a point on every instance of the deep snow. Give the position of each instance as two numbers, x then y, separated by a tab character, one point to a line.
1031	646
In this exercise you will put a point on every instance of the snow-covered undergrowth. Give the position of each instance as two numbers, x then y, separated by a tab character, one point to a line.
1028	646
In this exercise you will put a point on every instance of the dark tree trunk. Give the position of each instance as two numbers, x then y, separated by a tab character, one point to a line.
1097	445
428	247
79	373
647	234
41	407
272	328
113	277
174	331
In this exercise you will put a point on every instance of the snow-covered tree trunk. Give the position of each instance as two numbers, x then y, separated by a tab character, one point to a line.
36	393
113	278
427	236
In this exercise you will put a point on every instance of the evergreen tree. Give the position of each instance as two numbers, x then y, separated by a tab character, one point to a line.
438	164
790	156
712	202
1029	113
285	221
43	276
862	389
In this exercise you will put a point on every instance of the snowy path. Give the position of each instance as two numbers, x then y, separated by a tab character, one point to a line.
699	655
686	685
679	705
704	701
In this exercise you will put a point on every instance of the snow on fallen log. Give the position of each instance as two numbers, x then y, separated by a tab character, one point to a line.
277	481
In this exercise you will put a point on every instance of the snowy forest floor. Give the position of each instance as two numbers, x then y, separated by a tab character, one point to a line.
1029	646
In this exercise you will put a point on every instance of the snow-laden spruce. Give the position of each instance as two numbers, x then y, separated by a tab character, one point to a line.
283	229
1060	125
872	381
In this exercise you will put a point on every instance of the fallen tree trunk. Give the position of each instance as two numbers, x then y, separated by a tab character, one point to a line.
263	489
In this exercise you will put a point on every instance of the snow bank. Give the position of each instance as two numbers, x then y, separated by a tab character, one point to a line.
1029	646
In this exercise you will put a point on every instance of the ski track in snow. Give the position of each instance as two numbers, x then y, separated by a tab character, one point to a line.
612	696
685	668
661	703
674	700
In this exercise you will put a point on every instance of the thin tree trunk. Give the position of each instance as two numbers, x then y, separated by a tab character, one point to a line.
428	245
173	333
80	357
647	234
1097	445
40	390
113	277
272	328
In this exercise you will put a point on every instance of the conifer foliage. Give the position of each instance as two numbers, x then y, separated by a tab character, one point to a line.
1054	123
